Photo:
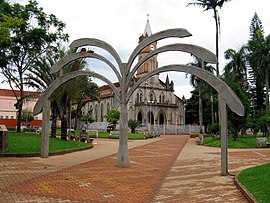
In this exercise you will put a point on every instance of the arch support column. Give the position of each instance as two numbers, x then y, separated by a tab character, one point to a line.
45	129
224	136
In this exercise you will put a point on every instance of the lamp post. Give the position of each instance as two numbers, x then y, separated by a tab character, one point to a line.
146	100
150	115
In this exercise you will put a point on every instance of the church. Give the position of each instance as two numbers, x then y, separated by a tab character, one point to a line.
153	102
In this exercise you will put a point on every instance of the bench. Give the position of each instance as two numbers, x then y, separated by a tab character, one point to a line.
155	133
85	137
114	132
262	142
92	132
146	136
199	139
31	130
71	134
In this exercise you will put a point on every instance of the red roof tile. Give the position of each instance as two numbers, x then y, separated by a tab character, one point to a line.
9	93
106	87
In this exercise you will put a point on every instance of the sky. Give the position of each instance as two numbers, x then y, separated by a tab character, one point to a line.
121	22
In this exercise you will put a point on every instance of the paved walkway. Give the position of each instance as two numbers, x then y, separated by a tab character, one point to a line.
159	173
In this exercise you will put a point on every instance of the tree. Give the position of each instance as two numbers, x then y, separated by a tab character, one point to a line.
259	61
38	33
85	91
27	116
237	64
133	124
87	118
113	117
238	122
207	5
263	122
199	84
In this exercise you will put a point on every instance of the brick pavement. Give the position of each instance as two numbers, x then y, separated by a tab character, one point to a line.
25	180
157	174
195	176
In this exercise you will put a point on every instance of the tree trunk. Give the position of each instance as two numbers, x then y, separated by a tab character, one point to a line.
64	124
54	122
217	31
200	110
77	117
235	134
212	109
20	106
267	89
123	155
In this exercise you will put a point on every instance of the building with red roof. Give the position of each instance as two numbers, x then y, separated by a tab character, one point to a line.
8	110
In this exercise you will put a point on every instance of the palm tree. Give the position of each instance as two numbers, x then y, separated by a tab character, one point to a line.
86	91
61	101
237	65
207	5
196	82
40	78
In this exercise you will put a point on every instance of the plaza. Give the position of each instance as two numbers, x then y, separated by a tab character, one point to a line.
167	169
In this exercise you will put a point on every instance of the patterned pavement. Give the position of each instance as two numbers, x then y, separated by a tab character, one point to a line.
166	169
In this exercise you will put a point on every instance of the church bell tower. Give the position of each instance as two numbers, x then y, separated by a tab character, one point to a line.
151	63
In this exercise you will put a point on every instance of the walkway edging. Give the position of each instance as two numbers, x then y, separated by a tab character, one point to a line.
250	198
50	153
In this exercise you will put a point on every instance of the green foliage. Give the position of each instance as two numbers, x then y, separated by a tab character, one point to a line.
247	141
259	60
263	122
131	136
113	117
132	124
233	81
27	115
87	118
257	181
8	22
213	128
31	33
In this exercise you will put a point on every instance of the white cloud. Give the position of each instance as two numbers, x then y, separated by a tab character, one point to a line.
121	22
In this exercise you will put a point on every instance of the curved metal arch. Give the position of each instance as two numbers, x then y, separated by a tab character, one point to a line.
195	50
224	90
97	43
71	57
59	81
178	32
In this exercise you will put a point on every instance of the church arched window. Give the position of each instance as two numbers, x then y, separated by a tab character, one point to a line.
101	112
108	107
91	111
162	98
138	97
152	96
141	97
96	112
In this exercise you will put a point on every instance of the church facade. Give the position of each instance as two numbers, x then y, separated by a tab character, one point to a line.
153	102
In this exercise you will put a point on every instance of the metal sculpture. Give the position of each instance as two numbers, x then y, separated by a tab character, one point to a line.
124	73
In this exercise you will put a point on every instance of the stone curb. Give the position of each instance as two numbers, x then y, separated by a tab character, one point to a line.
250	198
50	153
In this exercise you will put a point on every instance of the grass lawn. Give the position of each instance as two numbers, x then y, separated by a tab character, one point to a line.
257	181
248	141
24	143
131	136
